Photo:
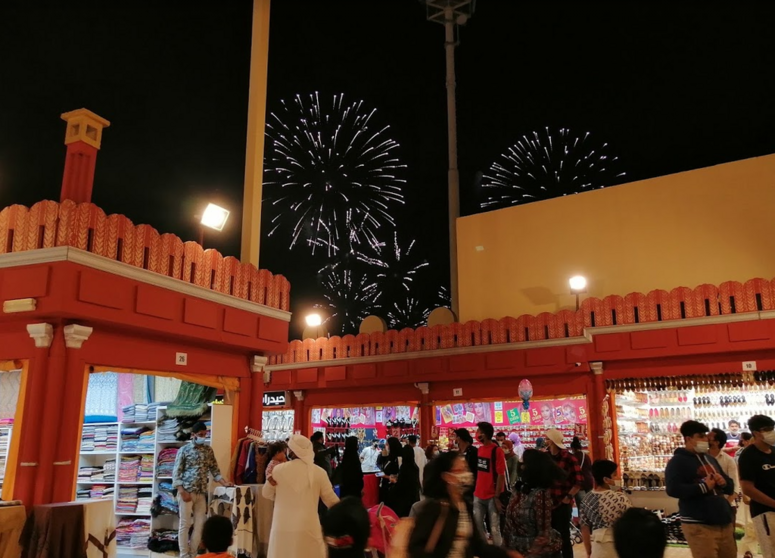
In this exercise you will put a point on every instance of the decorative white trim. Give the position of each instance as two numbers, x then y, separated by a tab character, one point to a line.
81	257
75	335
596	367
42	334
258	364
424	387
19	305
688	322
500	347
299	395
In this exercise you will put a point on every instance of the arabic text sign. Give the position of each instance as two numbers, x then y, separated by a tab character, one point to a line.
274	399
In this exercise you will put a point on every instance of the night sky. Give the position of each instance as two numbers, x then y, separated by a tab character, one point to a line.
669	86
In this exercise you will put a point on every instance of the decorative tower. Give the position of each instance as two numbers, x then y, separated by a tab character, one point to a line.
82	138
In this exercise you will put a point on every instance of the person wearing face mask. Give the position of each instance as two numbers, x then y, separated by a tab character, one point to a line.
443	527
702	488
757	478
600	509
194	464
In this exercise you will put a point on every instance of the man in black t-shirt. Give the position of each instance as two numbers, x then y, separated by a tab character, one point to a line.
757	479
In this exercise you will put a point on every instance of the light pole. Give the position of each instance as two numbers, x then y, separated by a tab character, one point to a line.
451	13
214	217
578	285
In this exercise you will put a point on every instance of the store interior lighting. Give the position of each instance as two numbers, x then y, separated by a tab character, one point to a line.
578	284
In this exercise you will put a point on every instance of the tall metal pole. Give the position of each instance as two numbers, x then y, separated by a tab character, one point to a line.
254	151
453	176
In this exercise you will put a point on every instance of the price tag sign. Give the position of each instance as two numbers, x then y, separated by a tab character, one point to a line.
749	366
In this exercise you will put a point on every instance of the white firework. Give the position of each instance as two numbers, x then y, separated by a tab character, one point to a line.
548	165
332	174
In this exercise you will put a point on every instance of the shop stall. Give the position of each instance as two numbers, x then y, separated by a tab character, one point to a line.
567	414
369	424
278	417
647	414
10	385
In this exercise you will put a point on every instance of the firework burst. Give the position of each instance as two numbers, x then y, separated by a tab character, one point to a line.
398	264
410	312
332	174
548	165
350	298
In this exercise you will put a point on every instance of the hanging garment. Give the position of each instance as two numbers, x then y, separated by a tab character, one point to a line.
54	531
191	401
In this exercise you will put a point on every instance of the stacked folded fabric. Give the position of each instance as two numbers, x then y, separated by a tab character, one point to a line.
87	438
146	469
105	438
137	438
168	428
83	493
144	500
99	438
98	491
91	474
166	462
137	413
147	440
129	470
110	470
127	500
133	533
167	501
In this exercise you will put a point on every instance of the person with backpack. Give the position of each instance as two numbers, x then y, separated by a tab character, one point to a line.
490	483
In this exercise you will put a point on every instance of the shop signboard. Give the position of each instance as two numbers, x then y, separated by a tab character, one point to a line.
274	398
567	411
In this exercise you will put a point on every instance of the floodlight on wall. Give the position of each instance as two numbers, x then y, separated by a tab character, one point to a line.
215	217
578	285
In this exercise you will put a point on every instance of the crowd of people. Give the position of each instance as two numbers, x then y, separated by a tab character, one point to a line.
499	499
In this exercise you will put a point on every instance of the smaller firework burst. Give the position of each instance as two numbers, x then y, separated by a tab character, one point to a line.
398	264
548	165
350	298
409	312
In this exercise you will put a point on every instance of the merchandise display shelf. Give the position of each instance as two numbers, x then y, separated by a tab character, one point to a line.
220	429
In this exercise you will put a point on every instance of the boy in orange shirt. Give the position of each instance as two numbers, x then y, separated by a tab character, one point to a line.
217	536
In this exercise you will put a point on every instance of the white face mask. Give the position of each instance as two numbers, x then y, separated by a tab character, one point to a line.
199	440
769	437
702	447
465	479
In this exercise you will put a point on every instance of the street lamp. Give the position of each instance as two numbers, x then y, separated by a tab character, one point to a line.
578	285
315	327
451	14
214	217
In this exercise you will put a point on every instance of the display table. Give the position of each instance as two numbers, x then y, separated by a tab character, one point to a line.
12	520
653	500
370	490
64	530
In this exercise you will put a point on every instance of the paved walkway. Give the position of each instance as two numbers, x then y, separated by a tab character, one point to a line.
672	552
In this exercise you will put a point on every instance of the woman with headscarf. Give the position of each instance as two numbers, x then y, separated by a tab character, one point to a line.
390	463
296	488
349	472
406	491
519	448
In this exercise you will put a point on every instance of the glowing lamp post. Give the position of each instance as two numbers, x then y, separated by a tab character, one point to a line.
315	327
214	217
578	285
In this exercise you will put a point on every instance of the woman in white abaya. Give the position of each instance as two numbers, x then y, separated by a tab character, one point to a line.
297	487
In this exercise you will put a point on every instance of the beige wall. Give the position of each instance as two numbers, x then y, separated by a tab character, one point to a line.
704	226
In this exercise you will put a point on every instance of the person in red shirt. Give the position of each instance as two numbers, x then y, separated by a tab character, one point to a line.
564	492
217	536
490	483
